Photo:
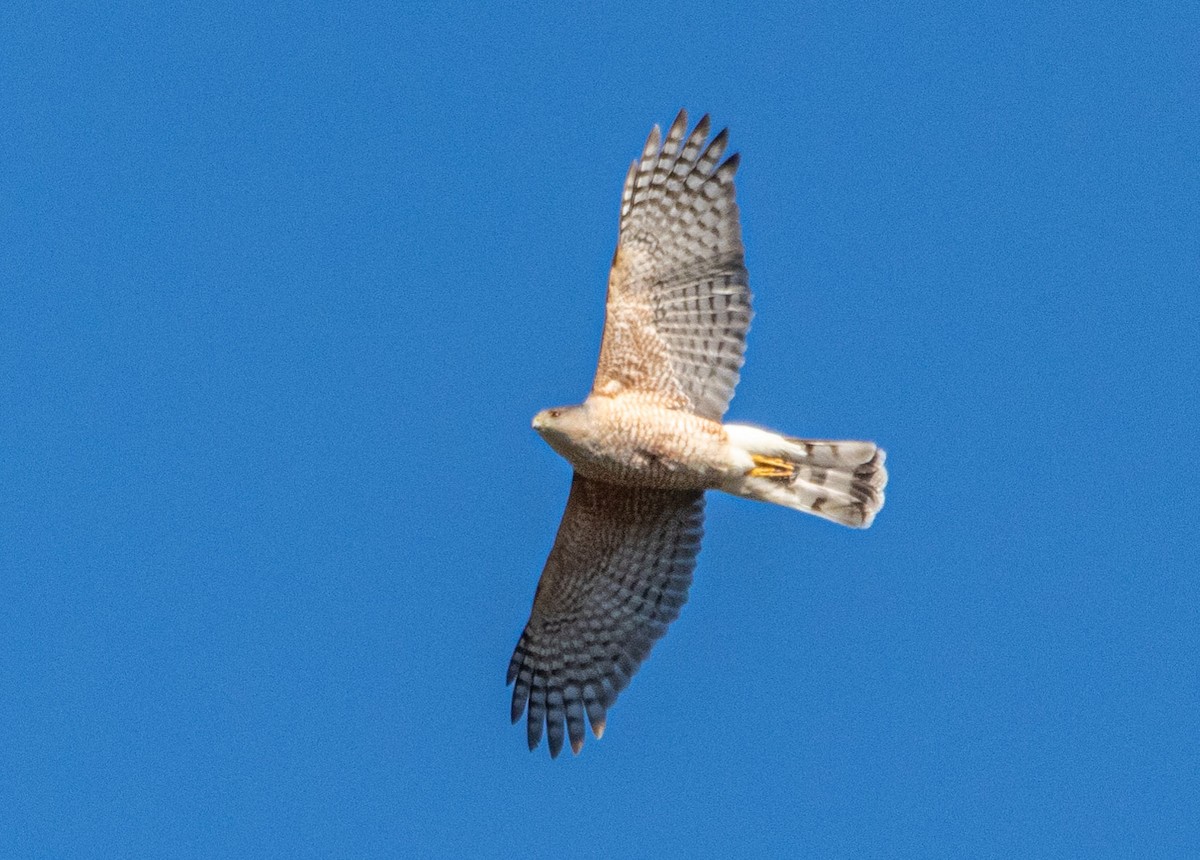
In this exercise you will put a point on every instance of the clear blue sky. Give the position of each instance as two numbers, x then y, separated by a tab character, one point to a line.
282	289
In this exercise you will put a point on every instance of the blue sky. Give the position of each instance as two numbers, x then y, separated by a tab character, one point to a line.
283	288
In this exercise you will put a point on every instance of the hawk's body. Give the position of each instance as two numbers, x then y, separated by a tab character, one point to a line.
630	438
649	441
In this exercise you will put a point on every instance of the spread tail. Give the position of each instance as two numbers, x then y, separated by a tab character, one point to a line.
839	481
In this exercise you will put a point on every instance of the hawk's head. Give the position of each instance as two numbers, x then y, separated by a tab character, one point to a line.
562	425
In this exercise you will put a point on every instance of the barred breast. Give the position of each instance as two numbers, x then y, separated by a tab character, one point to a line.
634	440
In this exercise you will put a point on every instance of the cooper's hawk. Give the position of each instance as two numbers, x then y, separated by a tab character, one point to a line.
648	442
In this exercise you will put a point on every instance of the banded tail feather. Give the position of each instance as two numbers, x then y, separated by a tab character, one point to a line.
841	481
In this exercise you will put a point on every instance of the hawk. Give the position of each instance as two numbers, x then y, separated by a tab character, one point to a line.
648	442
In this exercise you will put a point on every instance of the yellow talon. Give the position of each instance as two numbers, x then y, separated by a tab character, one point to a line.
770	467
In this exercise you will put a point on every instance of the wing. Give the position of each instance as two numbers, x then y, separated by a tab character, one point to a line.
678	296
617	575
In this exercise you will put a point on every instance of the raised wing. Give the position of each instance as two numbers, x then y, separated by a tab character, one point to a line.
678	296
617	575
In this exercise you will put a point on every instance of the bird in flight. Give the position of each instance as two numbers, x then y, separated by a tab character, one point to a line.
649	441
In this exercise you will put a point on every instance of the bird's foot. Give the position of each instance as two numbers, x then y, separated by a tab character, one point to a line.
771	467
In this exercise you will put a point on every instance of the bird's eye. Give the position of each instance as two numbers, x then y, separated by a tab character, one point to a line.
554	413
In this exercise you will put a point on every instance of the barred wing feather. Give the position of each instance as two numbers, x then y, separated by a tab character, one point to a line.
617	575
